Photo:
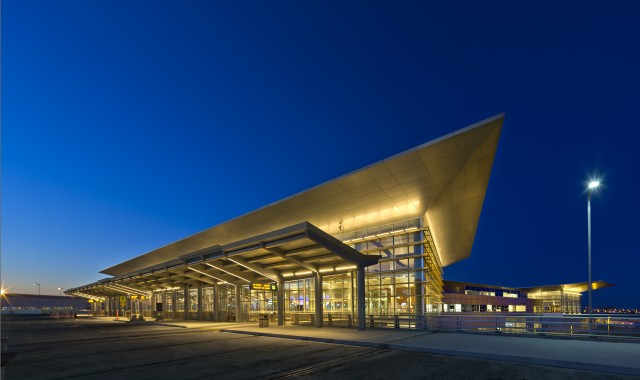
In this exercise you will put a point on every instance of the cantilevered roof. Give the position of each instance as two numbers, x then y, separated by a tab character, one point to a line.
292	252
444	180
579	287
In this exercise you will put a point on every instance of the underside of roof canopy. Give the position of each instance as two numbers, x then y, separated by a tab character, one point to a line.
288	253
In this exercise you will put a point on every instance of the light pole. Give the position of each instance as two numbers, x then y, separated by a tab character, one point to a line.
60	289
38	285
590	188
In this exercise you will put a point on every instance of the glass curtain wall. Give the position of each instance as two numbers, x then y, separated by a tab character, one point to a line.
244	303
408	278
337	297
179	303
167	308
193	303
300	300
226	302
558	301
207	303
263	302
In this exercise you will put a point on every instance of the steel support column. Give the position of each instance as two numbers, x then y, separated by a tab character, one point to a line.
361	300
318	295
200	302
164	304
174	301
187	304
280	295
216	304
238	303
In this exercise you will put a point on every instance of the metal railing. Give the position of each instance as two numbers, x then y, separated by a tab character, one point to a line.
548	324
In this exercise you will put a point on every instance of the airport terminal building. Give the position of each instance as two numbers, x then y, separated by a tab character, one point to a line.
368	245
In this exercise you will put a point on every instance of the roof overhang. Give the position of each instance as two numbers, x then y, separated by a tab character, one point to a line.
444	180
291	252
578	287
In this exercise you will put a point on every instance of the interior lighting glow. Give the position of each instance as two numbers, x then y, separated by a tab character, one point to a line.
206	274
347	267
222	270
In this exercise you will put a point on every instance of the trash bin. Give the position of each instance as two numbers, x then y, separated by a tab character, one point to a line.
263	320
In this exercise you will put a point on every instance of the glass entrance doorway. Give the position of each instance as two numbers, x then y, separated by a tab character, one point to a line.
299	301
338	299
263	302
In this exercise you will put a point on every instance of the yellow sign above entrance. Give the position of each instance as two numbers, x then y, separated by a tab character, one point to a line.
269	287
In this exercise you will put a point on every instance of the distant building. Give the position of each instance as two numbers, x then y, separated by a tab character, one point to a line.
363	249
467	297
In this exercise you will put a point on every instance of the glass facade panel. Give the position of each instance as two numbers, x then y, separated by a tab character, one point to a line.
558	301
262	302
193	300
207	299
168	303
179	301
300	295
408	278
337	295
226	303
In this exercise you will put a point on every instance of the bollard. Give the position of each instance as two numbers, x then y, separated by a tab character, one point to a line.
396	321
371	321
350	320
330	319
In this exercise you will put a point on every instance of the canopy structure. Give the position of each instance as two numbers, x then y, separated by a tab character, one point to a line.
578	287
444	180
294	251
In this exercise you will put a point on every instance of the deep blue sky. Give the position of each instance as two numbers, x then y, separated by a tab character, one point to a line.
129	125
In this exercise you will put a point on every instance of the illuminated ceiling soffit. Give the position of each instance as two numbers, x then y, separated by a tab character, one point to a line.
579	287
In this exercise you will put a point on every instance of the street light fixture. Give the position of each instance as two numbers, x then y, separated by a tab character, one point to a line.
38	285
593	185
60	289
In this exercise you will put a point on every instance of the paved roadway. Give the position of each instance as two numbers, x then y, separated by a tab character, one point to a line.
104	349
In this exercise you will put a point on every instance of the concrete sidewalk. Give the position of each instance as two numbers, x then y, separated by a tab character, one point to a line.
610	357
